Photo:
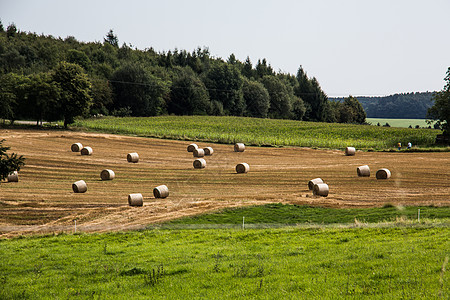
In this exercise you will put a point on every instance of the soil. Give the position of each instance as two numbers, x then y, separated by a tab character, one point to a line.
43	201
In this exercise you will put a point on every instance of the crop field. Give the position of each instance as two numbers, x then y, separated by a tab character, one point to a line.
399	122
260	132
43	200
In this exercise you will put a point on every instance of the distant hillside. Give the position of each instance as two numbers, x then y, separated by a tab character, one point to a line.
397	106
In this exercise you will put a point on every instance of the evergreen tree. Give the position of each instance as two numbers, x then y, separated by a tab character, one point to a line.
111	39
9	163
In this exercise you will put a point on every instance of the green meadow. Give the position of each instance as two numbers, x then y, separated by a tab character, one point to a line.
399	122
408	262
262	132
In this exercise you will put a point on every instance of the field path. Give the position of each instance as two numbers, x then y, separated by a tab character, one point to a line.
43	200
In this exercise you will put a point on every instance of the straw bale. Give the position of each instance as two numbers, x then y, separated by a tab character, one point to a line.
192	147
208	151
107	174
135	200
13	177
199	163
79	186
321	189
350	151
383	174
314	181
242	168
86	151
161	191
363	171
239	147
199	153
76	147
133	157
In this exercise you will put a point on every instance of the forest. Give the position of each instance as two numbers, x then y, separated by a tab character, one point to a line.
397	106
46	78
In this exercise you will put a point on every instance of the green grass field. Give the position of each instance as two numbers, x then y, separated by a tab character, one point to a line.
399	122
262	132
285	263
282	214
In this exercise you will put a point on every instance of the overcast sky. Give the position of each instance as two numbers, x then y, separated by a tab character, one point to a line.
353	47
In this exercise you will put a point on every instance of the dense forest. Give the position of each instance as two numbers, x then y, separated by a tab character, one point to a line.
48	78
397	106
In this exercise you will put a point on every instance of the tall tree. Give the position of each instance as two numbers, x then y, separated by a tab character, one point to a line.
75	90
188	95
137	88
280	99
440	111
256	98
112	39
224	84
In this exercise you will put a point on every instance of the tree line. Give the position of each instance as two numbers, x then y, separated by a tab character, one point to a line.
46	78
397	106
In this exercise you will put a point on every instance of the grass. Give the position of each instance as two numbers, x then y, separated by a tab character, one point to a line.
399	122
262	132
283	263
278	213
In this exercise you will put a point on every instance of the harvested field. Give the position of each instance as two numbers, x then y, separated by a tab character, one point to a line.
43	200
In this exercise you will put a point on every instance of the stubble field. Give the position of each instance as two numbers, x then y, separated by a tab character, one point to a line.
43	200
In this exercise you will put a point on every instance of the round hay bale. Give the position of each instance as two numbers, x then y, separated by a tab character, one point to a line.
135	200
76	147
86	151
133	157
79	186
383	174
199	153
208	151
363	171
314	181
161	191
242	168
199	163
239	147
13	177
107	174
192	147
350	151
321	189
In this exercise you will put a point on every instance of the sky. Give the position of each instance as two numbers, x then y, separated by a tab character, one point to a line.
352	47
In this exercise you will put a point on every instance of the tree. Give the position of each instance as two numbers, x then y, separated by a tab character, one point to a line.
111	39
440	111
224	84
9	163
137	88
256	98
280	99
74	90
7	97
79	58
188	95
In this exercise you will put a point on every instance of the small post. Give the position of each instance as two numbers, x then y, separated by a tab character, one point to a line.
75	225
243	222
418	215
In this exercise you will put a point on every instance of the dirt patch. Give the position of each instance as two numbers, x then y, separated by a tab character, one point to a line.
43	200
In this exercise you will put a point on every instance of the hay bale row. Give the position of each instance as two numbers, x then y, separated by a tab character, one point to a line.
318	187
86	151
13	177
239	147
364	171
242	168
192	147
132	157
79	186
198	152
76	147
313	182
350	151
161	191
199	163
